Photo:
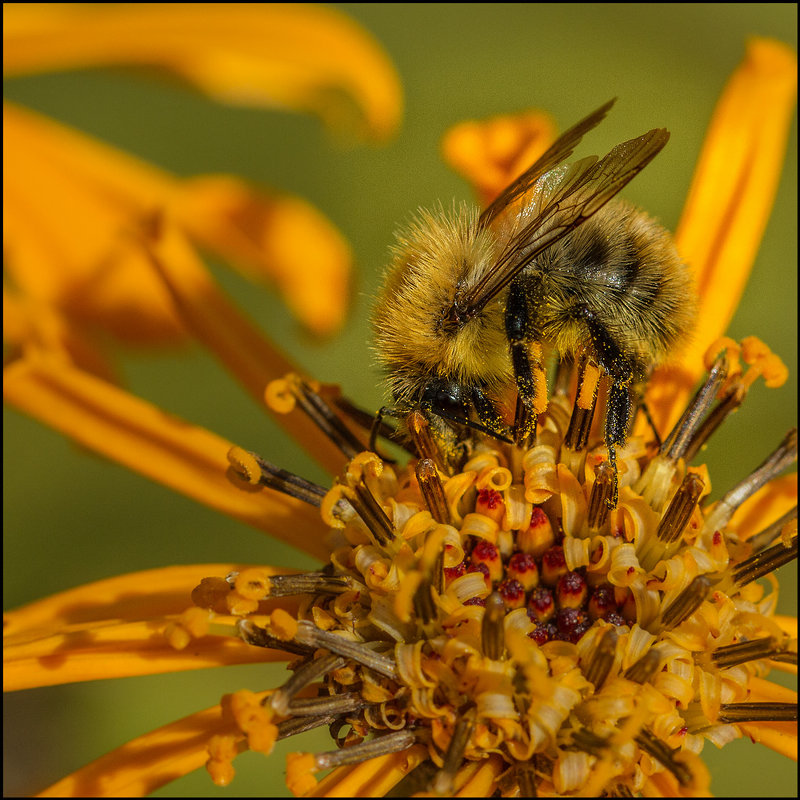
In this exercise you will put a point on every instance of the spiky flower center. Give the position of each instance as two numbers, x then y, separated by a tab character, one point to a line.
504	617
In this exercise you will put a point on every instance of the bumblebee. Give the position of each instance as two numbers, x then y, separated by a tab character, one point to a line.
471	299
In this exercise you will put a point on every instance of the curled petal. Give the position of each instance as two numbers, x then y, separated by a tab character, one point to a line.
289	56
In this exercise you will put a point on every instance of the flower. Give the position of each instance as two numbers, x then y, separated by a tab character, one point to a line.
72	204
552	682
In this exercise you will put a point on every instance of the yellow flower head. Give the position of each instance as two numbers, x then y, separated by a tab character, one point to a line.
549	615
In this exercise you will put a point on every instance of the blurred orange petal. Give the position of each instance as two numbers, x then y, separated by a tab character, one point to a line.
291	56
29	323
142	765
110	649
279	238
68	206
492	153
728	205
134	596
765	506
57	181
160	446
373	778
228	334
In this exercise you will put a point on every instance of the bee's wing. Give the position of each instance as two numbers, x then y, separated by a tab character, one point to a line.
559	151
574	195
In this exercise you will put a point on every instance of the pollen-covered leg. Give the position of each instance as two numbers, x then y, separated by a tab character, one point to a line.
530	377
621	370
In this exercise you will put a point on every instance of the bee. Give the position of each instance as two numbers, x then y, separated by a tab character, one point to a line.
471	298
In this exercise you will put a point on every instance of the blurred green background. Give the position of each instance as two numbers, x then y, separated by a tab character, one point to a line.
666	63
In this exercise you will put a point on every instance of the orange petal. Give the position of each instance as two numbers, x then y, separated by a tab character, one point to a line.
292	56
492	153
729	202
786	624
373	778
68	209
764	691
276	238
227	333
131	597
766	506
27	322
109	649
778	736
483	781
142	765
160	446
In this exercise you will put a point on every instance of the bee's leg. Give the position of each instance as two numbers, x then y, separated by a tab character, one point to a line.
621	370
488	414
530	378
380	428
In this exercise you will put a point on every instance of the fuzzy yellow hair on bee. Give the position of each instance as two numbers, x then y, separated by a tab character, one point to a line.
436	254
471	299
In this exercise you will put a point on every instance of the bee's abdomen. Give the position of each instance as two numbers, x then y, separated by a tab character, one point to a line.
624	268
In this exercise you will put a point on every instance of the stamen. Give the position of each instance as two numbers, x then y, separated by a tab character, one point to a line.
680	509
303	676
371	513
331	705
492	629
677	442
356	754
526	777
366	421
764	562
601	659
309	583
324	417
602	490
687	602
733	398
758	712
255	470
259	637
740	653
424	607
312	636
421	435
432	490
770	533
654	747
443	782
645	668
580	422
295	725
784	455
590	742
